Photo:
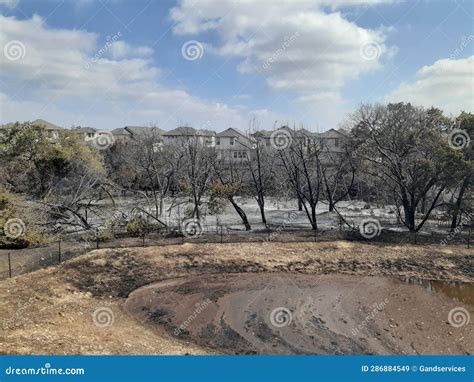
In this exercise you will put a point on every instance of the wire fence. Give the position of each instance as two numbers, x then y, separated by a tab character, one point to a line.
20	261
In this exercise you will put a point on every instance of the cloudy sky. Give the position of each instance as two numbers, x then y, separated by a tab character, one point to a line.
222	63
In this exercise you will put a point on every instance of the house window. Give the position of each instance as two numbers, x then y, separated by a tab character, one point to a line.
336	142
90	135
240	154
244	154
218	141
232	141
235	154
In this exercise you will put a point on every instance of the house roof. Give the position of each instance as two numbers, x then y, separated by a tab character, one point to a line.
231	132
142	130
294	133
263	133
45	124
182	130
332	133
344	132
207	132
81	129
120	131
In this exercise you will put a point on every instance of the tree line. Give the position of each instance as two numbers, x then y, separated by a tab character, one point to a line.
415	159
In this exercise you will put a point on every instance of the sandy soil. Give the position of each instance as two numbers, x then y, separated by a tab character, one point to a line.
51	311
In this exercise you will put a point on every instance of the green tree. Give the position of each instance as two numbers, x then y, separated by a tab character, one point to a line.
406	147
465	132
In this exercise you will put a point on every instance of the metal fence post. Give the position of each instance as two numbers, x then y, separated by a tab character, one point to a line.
9	265
222	229
143	239
59	251
97	243
469	237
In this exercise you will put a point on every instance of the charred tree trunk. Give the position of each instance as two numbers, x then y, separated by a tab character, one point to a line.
457	206
314	223
241	213
300	205
261	206
409	217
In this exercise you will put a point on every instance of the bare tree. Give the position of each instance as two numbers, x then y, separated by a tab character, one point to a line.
338	175
230	182
74	201
261	168
195	163
154	167
302	165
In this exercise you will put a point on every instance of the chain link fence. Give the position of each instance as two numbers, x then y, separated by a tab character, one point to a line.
20	261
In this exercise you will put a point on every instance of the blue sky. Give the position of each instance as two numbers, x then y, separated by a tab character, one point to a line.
110	63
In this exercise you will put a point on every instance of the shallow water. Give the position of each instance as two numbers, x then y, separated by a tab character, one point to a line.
459	291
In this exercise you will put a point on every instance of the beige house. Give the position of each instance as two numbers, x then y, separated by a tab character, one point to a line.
234	145
206	137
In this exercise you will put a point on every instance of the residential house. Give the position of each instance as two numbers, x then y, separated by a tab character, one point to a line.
333	140
52	130
88	133
206	137
234	145
121	134
303	136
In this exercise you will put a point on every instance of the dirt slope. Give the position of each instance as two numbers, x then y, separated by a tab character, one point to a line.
51	311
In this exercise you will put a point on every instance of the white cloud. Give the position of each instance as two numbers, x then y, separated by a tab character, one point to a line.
298	46
9	3
120	49
67	77
447	84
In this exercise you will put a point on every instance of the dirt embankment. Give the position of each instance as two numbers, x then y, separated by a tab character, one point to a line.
51	311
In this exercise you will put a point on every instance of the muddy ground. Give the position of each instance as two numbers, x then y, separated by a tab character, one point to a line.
51	311
290	313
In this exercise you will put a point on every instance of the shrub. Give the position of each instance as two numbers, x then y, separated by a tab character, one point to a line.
138	227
